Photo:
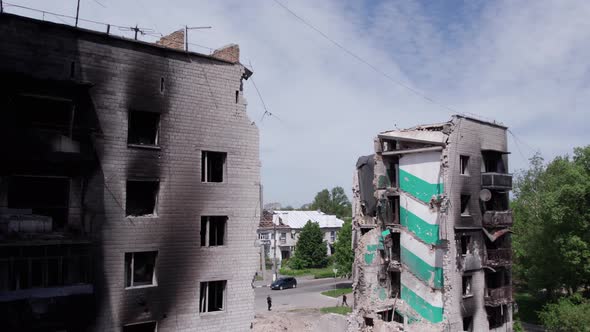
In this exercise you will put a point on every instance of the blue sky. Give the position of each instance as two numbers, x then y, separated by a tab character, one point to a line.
523	63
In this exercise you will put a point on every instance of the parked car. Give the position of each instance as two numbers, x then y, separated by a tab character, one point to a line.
283	283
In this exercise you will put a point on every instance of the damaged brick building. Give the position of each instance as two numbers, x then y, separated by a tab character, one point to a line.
431	229
129	183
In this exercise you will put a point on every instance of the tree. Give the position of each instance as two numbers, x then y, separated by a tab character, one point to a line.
552	223
344	256
568	314
311	250
332	202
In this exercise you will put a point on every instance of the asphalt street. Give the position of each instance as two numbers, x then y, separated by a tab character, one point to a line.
306	295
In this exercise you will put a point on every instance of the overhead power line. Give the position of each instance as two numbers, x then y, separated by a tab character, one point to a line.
362	60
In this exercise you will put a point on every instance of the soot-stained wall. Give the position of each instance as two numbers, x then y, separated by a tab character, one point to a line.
199	112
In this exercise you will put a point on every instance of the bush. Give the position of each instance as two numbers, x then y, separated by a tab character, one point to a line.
517	327
323	273
570	314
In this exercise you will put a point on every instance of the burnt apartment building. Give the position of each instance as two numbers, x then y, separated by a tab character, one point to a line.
129	183
431	229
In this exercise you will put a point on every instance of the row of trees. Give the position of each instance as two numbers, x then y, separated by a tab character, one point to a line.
551	240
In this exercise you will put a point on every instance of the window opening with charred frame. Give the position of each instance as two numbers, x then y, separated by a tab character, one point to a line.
465	205
43	195
141	327
140	269
465	242
464	164
213	166
213	230
467	286
143	128
162	86
142	197
212	296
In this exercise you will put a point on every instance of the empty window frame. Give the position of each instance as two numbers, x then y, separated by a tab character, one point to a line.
332	236
212	296
142	197
140	269
467	286
465	243
463	165
385	315
143	128
213	166
213	230
392	214
44	196
141	327
465	205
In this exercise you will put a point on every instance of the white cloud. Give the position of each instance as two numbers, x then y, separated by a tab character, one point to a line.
525	64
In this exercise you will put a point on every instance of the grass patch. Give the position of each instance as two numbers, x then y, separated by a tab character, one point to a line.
528	305
325	272
336	310
337	292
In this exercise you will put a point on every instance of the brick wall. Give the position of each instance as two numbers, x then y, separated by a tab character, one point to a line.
198	112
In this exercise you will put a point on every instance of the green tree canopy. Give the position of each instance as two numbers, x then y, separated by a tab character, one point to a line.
552	223
311	250
332	202
344	256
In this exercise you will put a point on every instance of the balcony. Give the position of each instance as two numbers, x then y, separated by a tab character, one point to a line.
498	181
498	296
497	218
499	257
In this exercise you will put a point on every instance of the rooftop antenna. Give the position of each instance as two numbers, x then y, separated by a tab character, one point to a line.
77	12
135	29
186	29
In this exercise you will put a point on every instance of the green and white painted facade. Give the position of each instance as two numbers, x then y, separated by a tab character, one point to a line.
420	181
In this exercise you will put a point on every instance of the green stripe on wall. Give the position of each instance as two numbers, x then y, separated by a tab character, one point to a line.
419	188
425	309
425	231
422	270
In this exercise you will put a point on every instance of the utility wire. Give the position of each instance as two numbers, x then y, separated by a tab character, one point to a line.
367	63
261	99
103	6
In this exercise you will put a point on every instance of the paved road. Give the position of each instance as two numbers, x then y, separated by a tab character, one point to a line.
306	295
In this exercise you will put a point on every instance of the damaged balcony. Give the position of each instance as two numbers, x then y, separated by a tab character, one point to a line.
498	181
498	288
498	257
45	271
497	219
497	296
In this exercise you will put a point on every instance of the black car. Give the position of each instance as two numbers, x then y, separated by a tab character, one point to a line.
283	283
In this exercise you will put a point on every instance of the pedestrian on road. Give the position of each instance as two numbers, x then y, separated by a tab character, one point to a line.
269	301
344	300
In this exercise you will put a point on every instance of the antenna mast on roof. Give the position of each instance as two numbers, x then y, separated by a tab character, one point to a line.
77	12
186	29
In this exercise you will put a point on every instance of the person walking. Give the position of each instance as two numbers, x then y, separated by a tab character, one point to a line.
269	302
344	300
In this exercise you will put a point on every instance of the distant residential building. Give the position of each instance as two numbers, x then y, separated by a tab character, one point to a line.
280	230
